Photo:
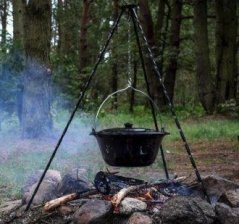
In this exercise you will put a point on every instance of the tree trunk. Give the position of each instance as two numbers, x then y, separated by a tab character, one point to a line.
59	21
17	51
160	22
3	13
67	18
4	71
162	47
204	76
115	57
164	35
226	48
36	117
18	28
237	85
174	42
148	27
83	60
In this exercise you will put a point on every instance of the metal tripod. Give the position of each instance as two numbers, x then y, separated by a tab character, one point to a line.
131	9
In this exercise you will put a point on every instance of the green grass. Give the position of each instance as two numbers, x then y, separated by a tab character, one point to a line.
29	155
208	130
195	128
15	170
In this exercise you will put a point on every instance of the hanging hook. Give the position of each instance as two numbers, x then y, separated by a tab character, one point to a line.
130	82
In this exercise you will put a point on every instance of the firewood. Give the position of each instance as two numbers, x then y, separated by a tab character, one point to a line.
50	205
117	198
180	179
110	183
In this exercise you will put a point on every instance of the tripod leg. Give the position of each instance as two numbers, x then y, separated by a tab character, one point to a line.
82	94
156	69
164	162
148	90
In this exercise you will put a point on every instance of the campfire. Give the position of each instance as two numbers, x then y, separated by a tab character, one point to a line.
128	146
113	195
113	198
114	188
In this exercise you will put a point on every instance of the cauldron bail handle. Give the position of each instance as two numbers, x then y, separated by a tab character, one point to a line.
129	86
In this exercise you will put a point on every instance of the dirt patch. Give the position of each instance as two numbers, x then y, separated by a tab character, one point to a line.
206	118
220	157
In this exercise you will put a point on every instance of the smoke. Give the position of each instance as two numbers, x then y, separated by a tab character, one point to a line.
20	156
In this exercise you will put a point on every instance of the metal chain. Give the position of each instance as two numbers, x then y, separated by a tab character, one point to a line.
156	69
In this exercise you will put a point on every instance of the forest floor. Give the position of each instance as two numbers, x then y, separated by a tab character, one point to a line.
214	142
220	157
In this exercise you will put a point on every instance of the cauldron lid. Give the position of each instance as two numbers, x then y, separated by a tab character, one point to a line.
129	130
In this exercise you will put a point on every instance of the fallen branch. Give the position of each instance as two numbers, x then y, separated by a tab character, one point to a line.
117	198
181	179
50	205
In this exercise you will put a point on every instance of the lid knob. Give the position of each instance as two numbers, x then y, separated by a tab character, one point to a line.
128	125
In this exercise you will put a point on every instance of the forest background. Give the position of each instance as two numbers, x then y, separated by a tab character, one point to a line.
48	49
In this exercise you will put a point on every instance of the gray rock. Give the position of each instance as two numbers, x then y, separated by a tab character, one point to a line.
130	205
217	186
65	210
51	175
79	173
139	218
231	198
187	210
227	215
9	206
75	181
79	202
93	212
46	192
119	219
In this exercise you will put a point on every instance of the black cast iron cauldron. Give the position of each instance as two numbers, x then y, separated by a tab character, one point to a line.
128	146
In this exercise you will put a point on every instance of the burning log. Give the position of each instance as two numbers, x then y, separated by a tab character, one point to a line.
160	191
109	183
117	198
148	195
50	205
115	188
